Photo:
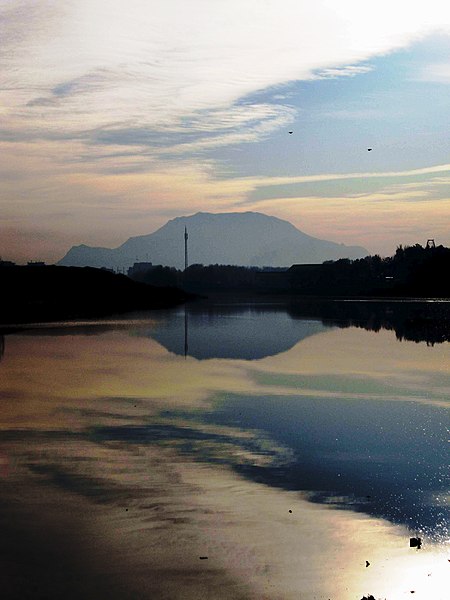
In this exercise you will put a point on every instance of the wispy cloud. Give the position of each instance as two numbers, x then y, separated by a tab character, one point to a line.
275	181
435	73
155	65
348	71
203	130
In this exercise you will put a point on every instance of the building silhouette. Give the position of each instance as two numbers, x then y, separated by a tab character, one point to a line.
138	269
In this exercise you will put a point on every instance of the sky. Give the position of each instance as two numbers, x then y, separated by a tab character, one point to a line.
118	115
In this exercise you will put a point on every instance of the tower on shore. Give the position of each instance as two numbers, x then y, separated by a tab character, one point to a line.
185	248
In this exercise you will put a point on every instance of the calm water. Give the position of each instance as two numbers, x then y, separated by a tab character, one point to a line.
287	447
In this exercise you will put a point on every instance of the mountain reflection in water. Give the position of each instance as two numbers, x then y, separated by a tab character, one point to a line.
253	331
250	333
232	332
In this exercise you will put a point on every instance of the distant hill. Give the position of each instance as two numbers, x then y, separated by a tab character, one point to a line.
247	239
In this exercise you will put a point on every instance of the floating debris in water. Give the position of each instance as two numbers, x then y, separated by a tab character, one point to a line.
203	557
367	563
415	542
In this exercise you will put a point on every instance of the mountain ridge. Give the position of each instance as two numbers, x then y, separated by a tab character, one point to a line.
238	238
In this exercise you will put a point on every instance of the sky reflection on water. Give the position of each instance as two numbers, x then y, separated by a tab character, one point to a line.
348	417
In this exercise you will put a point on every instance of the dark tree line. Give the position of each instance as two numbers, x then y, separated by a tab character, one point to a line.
200	278
419	321
412	271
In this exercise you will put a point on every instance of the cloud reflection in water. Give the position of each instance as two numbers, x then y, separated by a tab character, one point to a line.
340	416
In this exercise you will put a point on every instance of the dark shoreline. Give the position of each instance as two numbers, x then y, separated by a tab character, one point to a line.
411	319
50	293
32	294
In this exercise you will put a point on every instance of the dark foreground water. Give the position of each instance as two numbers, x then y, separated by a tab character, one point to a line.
210	452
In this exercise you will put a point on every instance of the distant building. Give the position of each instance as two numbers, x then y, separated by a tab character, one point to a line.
35	263
139	268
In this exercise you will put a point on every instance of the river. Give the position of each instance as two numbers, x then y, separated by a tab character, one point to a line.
227	451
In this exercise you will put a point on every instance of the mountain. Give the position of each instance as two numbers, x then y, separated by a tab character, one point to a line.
247	239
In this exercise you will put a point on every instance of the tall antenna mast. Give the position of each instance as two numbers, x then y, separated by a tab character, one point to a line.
185	248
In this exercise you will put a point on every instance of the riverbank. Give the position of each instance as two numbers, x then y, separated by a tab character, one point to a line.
51	293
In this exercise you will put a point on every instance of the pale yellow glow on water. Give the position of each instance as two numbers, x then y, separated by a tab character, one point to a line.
289	548
424	574
363	356
86	369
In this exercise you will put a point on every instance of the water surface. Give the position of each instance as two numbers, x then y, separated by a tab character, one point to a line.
287	447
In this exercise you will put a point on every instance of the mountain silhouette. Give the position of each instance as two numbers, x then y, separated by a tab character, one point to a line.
247	239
